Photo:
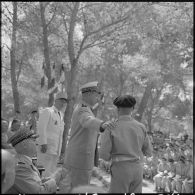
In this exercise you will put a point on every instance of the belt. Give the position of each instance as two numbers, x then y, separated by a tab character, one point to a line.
124	158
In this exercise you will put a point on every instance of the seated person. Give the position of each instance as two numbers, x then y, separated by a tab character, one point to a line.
167	179
27	179
7	170
180	175
161	170
187	186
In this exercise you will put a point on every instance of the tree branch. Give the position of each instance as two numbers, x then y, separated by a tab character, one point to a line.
8	18
51	18
65	24
5	67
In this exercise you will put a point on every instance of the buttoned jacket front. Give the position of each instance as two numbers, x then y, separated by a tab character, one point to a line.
50	129
82	139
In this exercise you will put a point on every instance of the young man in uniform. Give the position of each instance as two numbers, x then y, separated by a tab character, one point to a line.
126	145
80	150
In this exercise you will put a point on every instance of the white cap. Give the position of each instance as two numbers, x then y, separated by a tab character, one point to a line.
89	87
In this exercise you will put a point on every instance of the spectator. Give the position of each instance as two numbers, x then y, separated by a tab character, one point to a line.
180	175
161	170
27	179
7	170
187	186
167	179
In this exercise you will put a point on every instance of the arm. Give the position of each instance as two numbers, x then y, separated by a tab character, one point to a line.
28	181
42	126
87	120
105	145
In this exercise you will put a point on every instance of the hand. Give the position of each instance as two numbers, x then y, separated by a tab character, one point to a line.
109	125
44	148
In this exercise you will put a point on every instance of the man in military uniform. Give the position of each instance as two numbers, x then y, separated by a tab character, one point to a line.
126	145
50	129
80	150
27	177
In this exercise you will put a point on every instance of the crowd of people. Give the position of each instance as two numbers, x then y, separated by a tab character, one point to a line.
171	165
37	143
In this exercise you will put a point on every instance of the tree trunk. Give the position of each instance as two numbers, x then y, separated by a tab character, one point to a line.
13	60
72	78
46	54
144	101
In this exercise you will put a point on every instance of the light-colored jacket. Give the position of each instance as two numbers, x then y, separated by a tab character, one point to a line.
81	145
28	180
127	140
50	128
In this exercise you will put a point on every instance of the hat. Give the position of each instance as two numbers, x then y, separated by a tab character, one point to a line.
21	135
124	101
61	95
90	87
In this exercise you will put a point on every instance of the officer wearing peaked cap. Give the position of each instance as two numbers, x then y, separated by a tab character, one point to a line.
50	129
126	145
27	177
85	127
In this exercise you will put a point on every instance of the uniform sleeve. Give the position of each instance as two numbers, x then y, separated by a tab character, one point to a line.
42	126
87	120
105	145
147	146
30	183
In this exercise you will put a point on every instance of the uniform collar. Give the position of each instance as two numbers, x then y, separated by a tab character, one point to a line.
24	158
124	117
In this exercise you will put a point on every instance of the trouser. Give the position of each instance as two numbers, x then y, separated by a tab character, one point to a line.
77	177
126	177
157	180
48	161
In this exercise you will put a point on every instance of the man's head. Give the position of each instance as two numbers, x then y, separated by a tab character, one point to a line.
7	170
91	93
61	101
24	142
125	104
34	113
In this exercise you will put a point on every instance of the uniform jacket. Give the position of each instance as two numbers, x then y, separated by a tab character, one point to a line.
82	138
50	129
28	180
128	138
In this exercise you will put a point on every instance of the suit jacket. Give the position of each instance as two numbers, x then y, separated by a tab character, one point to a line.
81	145
128	138
28	180
50	129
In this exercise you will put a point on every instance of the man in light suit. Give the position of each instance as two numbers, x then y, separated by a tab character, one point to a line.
125	145
50	129
27	176
80	149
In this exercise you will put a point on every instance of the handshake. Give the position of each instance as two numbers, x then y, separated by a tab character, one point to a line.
109	125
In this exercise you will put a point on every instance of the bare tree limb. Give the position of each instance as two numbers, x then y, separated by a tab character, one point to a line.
54	14
19	71
8	18
65	24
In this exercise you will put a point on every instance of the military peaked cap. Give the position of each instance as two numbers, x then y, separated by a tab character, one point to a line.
125	101
90	87
21	135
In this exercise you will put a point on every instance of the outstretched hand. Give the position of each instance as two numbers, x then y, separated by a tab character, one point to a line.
109	125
